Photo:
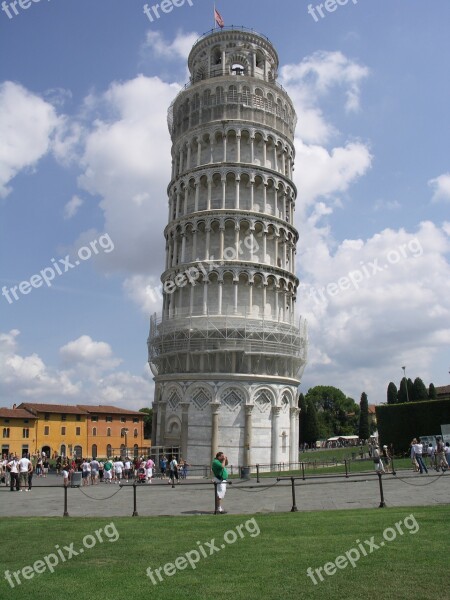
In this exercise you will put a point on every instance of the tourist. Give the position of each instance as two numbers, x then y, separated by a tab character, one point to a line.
108	470
220	478
65	473
24	467
94	464
101	468
149	466
30	476
39	467
447	453
86	471
441	462
418	450
412	453
163	466
118	470
173	471
379	466
386	458
14	474
431	454
45	466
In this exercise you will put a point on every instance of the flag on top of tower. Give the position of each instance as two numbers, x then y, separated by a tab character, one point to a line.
218	17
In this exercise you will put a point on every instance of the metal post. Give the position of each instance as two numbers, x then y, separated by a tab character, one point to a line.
135	512
303	470
346	468
215	498
294	505
66	514
382	502
257	474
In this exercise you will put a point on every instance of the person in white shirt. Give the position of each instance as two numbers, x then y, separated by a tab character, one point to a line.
94	471
118	469
14	474
24	467
173	471
418	449
86	471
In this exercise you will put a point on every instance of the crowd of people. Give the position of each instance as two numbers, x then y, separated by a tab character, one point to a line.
438	455
18	473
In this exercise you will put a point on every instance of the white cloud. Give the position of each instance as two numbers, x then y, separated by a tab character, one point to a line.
176	50
71	208
27	124
89	376
441	186
145	292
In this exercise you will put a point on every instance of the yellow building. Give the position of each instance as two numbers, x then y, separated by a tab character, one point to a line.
60	428
85	430
18	431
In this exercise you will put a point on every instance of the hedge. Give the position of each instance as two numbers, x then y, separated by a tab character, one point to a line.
398	424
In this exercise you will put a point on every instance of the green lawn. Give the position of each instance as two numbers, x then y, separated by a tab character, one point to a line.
271	565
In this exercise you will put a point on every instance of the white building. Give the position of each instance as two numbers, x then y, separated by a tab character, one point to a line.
227	351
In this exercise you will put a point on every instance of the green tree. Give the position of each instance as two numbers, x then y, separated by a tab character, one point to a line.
364	432
432	392
336	414
148	418
392	393
411	392
311	431
303	410
402	395
420	391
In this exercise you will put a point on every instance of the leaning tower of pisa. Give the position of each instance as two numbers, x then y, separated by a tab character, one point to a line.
227	351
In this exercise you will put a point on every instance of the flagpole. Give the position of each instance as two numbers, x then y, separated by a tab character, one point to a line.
214	26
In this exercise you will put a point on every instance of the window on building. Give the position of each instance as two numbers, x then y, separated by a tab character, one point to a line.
63	417
94	431
46	430
108	432
47	416
136	433
123	419
78	417
78	431
135	419
108	418
94	418
25	433
6	432
5	420
63	431
136	450
63	450
108	450
26	420
94	451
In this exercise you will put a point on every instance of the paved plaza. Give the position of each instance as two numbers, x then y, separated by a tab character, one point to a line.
196	496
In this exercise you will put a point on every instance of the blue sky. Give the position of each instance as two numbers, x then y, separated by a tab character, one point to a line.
85	153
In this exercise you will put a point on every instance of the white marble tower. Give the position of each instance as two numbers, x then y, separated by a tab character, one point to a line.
227	351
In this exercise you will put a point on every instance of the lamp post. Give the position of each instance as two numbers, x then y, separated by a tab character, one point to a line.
406	383
124	432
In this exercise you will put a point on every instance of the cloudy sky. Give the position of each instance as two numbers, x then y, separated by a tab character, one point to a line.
85	162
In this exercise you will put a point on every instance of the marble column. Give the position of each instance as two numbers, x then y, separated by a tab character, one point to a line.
184	428
248	436
275	457
215	407
162	422
154	421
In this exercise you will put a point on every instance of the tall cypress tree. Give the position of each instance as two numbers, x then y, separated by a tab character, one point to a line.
401	396
303	417
364	432
392	393
311	427
420	391
411	391
432	392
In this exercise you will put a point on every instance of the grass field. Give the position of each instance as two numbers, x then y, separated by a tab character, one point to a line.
267	560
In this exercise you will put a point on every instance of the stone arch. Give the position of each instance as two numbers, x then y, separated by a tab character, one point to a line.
264	398
200	395
239	390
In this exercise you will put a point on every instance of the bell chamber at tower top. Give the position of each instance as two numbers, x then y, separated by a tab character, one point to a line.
233	77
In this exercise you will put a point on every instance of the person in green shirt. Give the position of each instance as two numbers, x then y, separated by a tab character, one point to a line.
220	477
